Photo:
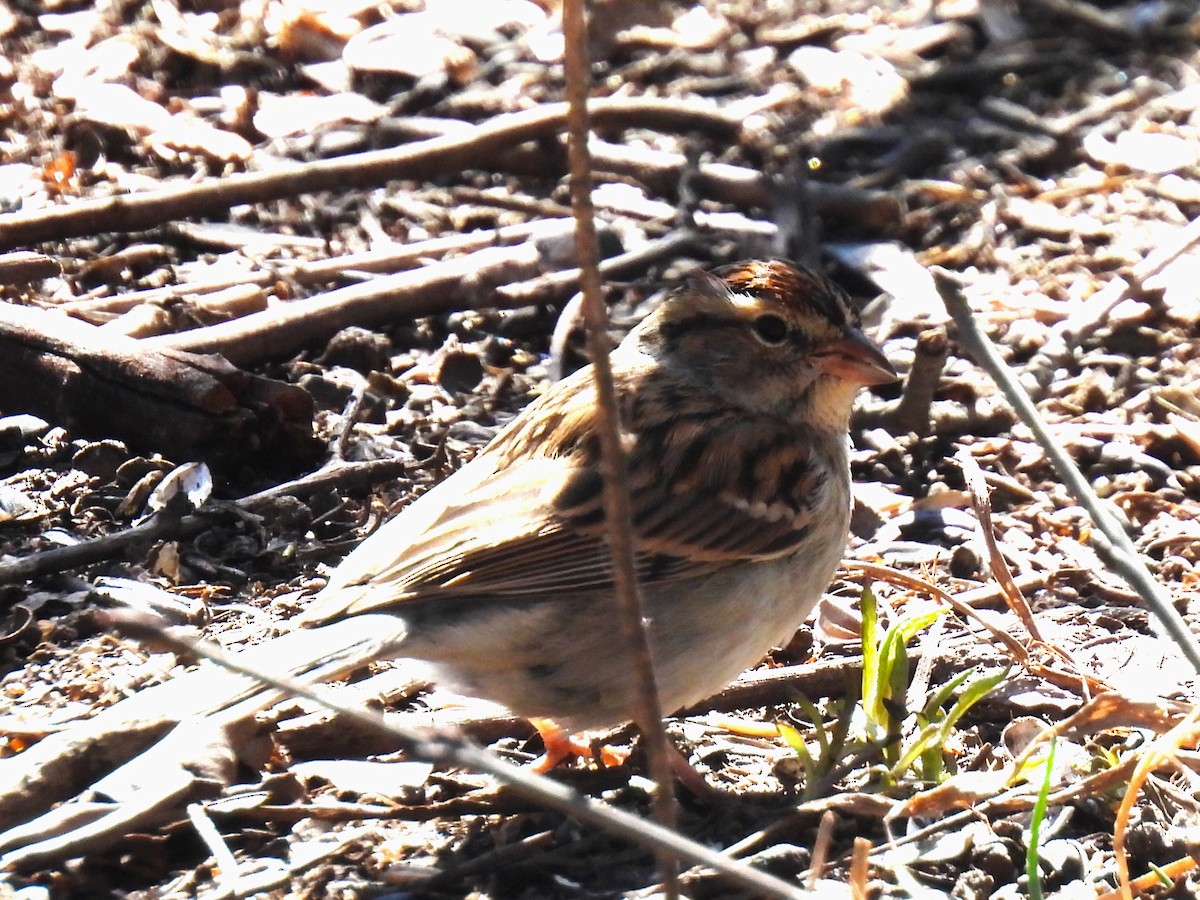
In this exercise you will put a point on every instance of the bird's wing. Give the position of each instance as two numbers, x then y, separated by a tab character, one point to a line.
514	522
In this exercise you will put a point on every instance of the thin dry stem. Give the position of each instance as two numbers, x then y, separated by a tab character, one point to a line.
1109	538
821	845
860	868
913	412
617	505
1157	753
1166	253
1144	884
913	583
1079	683
442	746
982	503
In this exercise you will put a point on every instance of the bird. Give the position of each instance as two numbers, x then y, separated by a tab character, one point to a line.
735	396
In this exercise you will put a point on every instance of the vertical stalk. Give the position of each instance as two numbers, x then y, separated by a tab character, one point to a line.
648	713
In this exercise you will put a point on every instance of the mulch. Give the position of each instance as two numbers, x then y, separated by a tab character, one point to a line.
364	211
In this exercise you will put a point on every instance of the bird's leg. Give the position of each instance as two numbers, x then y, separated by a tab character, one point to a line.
560	745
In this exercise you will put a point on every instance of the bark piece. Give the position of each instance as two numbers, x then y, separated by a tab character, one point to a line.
182	404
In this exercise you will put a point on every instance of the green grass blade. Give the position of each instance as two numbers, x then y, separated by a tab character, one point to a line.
972	694
871	694
1035	829
820	726
933	706
796	741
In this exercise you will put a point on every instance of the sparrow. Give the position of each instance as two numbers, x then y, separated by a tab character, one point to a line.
735	397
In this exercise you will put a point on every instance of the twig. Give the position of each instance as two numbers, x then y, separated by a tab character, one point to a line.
1082	684
149	319
1156	878
284	329
383	260
987	594
860	868
1183	241
912	413
911	582
227	864
502	858
557	286
981	501
1108	538
467	282
22	268
1088	16
1161	750
613	461
453	153
820	850
438	747
354	410
1065	337
75	556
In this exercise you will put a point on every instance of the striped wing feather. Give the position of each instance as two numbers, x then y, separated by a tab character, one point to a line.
514	522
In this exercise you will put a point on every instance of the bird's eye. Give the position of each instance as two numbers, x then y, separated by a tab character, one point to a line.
771	330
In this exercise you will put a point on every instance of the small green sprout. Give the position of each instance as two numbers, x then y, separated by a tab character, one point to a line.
904	738
1032	856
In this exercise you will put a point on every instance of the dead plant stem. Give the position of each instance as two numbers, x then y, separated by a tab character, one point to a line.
1109	537
617	506
444	747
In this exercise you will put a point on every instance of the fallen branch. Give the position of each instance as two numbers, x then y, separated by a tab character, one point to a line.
280	331
181	404
22	268
425	159
460	283
497	278
383	260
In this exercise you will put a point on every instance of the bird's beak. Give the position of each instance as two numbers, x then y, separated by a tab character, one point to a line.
856	359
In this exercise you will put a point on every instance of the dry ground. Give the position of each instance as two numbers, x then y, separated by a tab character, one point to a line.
1047	151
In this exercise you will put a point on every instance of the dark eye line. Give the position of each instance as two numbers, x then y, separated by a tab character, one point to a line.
673	332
